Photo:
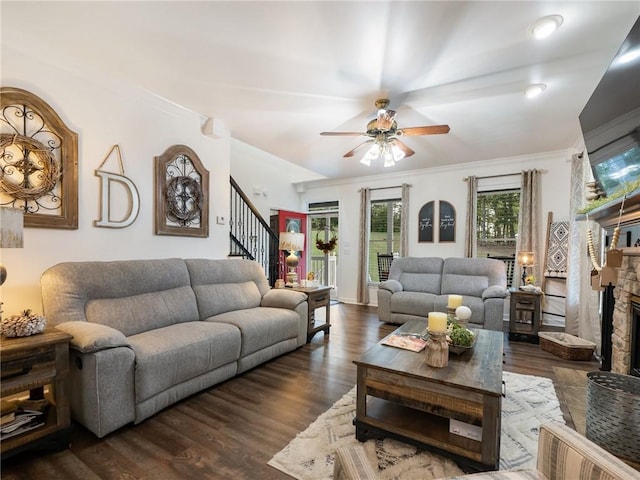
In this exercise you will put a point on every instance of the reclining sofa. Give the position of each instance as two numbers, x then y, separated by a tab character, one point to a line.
147	333
419	285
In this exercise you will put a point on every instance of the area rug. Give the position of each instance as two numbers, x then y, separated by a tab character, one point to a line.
529	402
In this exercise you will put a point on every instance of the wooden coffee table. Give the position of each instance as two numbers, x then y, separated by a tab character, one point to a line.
400	396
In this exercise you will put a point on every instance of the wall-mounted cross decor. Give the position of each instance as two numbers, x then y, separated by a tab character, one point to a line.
182	193
38	161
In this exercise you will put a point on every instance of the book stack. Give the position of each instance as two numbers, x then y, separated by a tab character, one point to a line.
22	416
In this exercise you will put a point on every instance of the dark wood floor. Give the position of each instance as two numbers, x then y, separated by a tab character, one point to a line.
233	429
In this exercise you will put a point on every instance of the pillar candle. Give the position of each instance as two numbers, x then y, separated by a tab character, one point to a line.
454	301
437	322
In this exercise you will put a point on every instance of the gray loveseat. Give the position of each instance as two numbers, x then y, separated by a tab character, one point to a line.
147	333
419	285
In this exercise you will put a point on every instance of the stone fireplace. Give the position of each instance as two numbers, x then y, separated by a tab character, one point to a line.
625	339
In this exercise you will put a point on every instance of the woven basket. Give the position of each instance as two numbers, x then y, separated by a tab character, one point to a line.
566	346
613	413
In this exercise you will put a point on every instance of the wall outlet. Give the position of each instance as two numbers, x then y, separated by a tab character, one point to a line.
220	220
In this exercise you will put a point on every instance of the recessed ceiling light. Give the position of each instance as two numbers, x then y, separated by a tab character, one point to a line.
545	26
534	90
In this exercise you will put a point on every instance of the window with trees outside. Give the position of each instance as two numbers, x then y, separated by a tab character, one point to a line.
497	224
384	236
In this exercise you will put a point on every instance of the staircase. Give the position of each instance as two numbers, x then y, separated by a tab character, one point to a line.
250	236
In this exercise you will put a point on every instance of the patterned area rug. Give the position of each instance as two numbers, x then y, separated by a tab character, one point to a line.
529	402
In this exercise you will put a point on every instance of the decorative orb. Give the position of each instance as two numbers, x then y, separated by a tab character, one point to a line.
463	313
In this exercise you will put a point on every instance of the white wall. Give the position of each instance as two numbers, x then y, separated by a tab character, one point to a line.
267	180
436	184
104	113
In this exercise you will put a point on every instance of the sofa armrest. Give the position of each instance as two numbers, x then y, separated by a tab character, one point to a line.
92	337
283	298
391	285
562	452
352	463
494	291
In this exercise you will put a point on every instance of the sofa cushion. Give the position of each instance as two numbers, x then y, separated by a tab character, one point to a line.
170	355
412	303
417	274
148	311
471	276
214	299
261	327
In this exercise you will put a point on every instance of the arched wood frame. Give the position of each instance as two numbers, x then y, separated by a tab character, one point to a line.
38	161
182	193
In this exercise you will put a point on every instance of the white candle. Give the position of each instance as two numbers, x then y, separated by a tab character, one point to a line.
454	301
437	322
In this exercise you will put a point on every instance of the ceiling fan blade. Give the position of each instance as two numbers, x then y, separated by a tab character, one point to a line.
344	134
351	152
430	130
407	151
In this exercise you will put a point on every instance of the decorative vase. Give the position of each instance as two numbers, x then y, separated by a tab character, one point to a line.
437	350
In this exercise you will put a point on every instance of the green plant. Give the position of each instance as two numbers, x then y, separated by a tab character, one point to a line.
627	188
460	336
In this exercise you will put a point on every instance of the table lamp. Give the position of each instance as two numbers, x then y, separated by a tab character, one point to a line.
292	242
526	259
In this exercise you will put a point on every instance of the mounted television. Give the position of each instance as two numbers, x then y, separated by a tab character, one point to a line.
610	120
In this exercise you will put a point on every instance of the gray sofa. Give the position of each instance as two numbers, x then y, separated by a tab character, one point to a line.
147	333
419	285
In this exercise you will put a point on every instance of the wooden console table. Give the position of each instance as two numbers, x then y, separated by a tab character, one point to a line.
317	297
35	367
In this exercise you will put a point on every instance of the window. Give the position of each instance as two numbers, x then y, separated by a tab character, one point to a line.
497	222
497	226
384	236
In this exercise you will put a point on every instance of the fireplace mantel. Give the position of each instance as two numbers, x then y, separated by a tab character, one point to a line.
607	215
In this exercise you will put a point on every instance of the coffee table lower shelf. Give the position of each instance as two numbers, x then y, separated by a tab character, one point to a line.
386	419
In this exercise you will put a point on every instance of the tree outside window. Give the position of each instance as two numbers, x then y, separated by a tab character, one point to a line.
497	226
384	236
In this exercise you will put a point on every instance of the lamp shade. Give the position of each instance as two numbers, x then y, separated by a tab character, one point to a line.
291	241
11	226
526	259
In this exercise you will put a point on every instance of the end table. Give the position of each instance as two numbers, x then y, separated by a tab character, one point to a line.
35	367
317	297
524	314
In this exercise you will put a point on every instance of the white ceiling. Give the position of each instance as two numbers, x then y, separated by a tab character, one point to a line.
276	74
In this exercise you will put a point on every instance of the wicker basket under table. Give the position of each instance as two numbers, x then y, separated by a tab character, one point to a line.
566	346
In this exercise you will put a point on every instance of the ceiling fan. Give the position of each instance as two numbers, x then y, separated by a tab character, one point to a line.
384	133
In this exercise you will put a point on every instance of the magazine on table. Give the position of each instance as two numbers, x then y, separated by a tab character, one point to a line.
407	342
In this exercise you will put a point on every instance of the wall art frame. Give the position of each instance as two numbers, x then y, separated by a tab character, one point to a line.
181	193
425	223
38	161
447	216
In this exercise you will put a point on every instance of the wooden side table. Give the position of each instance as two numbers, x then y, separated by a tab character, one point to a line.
317	297
524	314
35	367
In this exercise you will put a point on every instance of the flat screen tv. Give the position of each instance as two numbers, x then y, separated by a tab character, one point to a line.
610	120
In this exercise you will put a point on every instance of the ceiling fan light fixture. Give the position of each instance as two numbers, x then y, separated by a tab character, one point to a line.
546	26
534	90
397	153
386	119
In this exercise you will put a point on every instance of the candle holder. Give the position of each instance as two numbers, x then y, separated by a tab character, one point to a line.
451	314
437	349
